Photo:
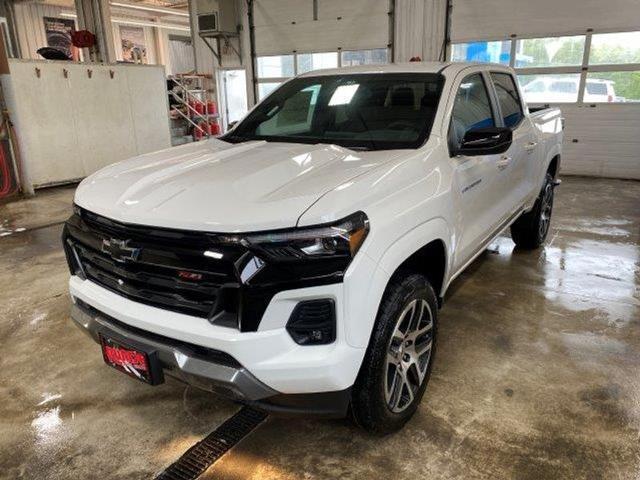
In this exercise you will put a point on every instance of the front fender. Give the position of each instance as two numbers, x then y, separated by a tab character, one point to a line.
365	284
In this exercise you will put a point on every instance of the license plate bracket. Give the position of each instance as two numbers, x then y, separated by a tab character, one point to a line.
131	358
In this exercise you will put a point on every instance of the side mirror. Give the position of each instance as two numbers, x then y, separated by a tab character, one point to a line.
486	141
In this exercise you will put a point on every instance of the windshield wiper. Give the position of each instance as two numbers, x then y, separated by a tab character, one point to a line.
235	139
363	149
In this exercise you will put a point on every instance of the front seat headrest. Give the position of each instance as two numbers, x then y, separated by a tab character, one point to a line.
402	97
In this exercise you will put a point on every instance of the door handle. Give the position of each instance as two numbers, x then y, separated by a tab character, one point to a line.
531	146
504	162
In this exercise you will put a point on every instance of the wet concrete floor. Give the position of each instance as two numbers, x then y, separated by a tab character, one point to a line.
537	374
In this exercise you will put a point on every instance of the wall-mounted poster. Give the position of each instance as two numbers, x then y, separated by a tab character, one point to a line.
134	48
58	33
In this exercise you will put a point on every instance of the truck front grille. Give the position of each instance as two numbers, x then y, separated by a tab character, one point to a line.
163	268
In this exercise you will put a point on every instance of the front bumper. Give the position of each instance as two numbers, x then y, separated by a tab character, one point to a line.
269	354
210	369
206	368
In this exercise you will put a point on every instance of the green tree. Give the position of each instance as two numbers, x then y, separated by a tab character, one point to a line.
542	52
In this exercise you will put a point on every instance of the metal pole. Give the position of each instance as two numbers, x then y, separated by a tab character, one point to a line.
252	48
447	32
95	16
392	29
585	66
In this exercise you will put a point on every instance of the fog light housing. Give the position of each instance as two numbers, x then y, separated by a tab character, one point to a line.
313	322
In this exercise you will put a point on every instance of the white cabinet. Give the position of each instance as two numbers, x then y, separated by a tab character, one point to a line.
72	119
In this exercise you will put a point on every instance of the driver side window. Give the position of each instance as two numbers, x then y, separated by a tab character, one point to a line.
471	110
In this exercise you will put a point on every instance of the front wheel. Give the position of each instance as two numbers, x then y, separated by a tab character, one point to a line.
531	229
397	365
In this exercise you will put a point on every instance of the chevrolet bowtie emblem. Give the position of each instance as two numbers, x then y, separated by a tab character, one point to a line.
119	250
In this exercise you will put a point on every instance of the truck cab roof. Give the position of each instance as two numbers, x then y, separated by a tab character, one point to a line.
446	68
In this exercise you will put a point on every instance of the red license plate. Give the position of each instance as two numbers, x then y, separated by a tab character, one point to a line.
129	360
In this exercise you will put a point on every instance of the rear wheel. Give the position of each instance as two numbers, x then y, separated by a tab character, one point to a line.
397	366
531	229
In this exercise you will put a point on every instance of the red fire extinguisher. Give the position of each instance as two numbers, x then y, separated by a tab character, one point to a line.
199	131
211	107
214	127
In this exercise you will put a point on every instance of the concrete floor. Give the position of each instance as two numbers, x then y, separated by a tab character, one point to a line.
537	374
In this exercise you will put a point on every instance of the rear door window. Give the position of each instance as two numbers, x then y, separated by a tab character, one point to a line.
508	98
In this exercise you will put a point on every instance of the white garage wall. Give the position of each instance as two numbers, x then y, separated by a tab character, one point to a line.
495	19
30	26
419	29
178	55
282	27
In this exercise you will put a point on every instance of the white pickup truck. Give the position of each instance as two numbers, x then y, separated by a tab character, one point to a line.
298	262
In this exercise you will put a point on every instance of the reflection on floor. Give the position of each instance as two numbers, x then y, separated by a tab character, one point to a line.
536	375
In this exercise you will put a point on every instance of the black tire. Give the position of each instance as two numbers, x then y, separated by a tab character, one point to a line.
531	229
371	404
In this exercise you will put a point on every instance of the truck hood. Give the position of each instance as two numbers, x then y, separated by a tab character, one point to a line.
221	187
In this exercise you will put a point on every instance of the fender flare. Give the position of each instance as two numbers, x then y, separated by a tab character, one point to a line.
367	305
556	151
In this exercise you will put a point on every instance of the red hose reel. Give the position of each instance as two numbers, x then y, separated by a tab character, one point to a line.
83	39
6	179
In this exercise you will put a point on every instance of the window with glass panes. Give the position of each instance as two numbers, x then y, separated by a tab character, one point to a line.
591	68
273	70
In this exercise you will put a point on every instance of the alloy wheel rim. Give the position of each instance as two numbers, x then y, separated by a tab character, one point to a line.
408	355
545	214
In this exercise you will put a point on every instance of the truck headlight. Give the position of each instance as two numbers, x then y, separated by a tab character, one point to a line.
340	239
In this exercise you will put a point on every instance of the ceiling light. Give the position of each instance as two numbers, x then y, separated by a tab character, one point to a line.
140	23
149	8
170	26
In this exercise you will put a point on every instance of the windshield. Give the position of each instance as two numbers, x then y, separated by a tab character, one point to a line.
369	111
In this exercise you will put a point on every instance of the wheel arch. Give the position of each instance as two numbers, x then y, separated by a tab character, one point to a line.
429	260
553	166
424	249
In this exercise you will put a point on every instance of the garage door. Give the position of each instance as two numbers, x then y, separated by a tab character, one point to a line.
296	37
325	25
